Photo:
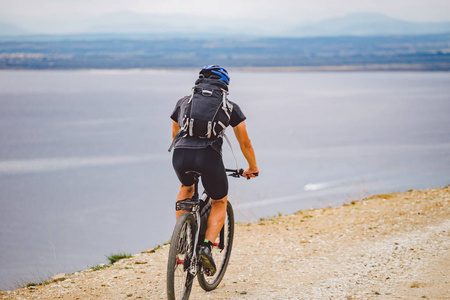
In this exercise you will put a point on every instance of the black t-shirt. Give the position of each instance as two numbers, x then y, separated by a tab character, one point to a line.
237	116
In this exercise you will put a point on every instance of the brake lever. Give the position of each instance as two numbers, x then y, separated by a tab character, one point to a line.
237	173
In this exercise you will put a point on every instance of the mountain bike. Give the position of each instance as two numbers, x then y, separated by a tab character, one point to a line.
184	264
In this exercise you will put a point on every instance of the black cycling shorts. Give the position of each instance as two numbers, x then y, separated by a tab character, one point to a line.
206	161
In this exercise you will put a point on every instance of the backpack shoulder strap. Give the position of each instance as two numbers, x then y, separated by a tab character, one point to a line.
226	105
184	126
174	139
192	94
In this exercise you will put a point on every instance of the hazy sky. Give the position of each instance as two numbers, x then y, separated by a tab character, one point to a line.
414	10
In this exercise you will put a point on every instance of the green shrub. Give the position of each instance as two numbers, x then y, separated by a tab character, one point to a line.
116	257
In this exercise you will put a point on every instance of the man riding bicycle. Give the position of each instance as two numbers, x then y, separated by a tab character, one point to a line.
203	154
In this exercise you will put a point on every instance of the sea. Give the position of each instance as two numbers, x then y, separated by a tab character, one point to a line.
85	171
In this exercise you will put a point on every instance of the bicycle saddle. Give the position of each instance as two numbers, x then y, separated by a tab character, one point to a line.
194	174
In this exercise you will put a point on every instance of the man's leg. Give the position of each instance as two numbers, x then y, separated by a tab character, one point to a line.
215	222
216	218
185	192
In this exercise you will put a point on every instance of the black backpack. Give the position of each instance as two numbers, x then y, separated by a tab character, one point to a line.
207	112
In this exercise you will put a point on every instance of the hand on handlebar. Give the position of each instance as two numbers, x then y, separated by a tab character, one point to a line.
250	173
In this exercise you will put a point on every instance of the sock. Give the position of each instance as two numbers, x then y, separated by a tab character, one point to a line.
206	242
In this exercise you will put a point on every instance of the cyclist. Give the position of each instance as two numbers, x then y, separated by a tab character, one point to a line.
205	156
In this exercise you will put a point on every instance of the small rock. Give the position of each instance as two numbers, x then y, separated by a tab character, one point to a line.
140	262
149	251
58	277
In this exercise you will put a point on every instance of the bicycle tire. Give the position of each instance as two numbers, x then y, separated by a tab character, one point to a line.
220	256
179	280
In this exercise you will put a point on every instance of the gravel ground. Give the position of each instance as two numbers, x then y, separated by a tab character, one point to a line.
392	246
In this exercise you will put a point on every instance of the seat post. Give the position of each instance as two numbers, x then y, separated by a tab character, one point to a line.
196	176
195	196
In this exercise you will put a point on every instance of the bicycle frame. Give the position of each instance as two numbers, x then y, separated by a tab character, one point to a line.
184	262
192	205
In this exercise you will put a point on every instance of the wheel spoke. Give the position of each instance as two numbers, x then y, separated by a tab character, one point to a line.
179	280
220	256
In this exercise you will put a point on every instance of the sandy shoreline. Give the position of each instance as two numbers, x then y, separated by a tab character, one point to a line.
392	246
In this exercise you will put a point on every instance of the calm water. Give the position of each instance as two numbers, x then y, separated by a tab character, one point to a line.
84	168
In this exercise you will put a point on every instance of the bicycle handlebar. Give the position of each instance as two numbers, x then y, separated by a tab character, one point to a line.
238	173
235	172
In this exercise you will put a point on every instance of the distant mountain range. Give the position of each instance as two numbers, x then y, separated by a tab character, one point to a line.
11	29
360	24
369	24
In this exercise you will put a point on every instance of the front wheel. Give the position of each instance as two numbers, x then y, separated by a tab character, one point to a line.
221	253
179	280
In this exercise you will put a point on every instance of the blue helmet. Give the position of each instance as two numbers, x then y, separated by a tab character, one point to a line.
215	72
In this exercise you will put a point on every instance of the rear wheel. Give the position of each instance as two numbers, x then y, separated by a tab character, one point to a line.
221	253
179	280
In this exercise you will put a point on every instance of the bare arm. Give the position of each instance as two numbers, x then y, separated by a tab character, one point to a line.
247	149
175	128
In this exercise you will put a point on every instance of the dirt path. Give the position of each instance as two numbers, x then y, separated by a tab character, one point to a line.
386	247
